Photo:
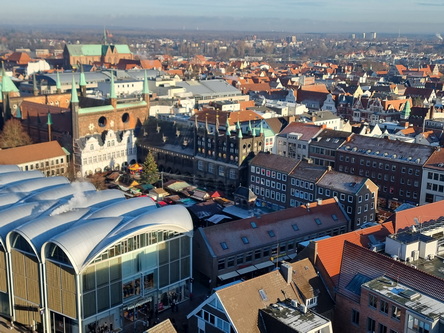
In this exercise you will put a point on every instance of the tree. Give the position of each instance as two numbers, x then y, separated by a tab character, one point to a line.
150	172
13	135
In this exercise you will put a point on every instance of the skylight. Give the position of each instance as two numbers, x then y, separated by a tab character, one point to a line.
263	294
224	245
334	217
318	221
295	227
271	233
245	240
253	224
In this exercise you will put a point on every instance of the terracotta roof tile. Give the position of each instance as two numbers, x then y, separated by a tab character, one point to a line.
31	153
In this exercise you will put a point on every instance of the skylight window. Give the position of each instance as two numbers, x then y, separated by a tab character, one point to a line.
295	227
224	245
245	240
253	224
263	295
271	233
318	221
334	217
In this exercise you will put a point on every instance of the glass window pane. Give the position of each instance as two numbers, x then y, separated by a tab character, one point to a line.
115	271
89	304
174	249
102	273
174	271
185	267
103	298
185	246
163	254
164	278
116	293
89	279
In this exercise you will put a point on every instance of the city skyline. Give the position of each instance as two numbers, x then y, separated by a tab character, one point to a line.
396	16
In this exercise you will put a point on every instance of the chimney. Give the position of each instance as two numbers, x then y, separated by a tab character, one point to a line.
319	202
287	272
308	206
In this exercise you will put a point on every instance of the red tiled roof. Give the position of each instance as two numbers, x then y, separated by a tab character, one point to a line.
329	251
406	218
31	153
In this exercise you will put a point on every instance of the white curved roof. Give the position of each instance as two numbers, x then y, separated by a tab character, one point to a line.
8	168
62	191
7	199
82	238
30	185
83	222
15	176
133	207
40	230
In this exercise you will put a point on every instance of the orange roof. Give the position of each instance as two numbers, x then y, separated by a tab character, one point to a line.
316	88
151	64
20	58
31	153
329	250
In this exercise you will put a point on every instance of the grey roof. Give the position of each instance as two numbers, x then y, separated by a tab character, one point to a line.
274	162
342	182
209	88
308	171
81	221
382	148
66	77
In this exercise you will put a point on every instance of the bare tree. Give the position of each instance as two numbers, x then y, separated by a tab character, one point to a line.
13	135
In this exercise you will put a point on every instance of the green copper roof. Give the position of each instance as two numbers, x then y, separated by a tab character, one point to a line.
74	97
112	93
49	122
58	85
7	84
105	108
145	90
94	49
240	130
82	77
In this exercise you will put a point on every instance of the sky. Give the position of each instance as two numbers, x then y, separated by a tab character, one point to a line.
383	16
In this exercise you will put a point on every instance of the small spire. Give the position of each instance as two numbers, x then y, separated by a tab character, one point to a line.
217	123
74	97
18	113
145	90
240	136
34	82
49	121
112	93
195	121
262	128
206	124
228	126
249	127
58	85
82	82
104	36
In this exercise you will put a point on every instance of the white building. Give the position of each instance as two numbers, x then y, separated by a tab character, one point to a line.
109	151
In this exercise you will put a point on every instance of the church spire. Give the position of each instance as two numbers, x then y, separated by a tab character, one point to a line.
35	90
82	82
228	126
240	136
49	123
146	89
58	85
74	97
405	113
105	42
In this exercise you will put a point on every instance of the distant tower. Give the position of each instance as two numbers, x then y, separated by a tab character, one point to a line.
74	110
49	123
373	35
58	84
35	90
363	35
82	82
353	36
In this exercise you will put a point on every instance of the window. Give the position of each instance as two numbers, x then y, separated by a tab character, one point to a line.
396	312
371	325
230	262
382	328
271	233
318	221
418	325
295	227
245	240
355	317
224	245
372	301
383	306
221	264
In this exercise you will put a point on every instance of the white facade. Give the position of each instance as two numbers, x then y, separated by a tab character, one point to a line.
113	154
37	66
432	187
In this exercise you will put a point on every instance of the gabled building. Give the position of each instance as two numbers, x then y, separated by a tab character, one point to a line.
254	245
322	149
75	55
48	157
292	299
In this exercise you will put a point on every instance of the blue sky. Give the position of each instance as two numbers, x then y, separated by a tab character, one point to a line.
407	16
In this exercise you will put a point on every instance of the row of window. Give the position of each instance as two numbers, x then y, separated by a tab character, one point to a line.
108	156
42	165
269	173
210	318
435	176
371	323
257	254
268	183
380	165
220	169
267	193
435	187
384	307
